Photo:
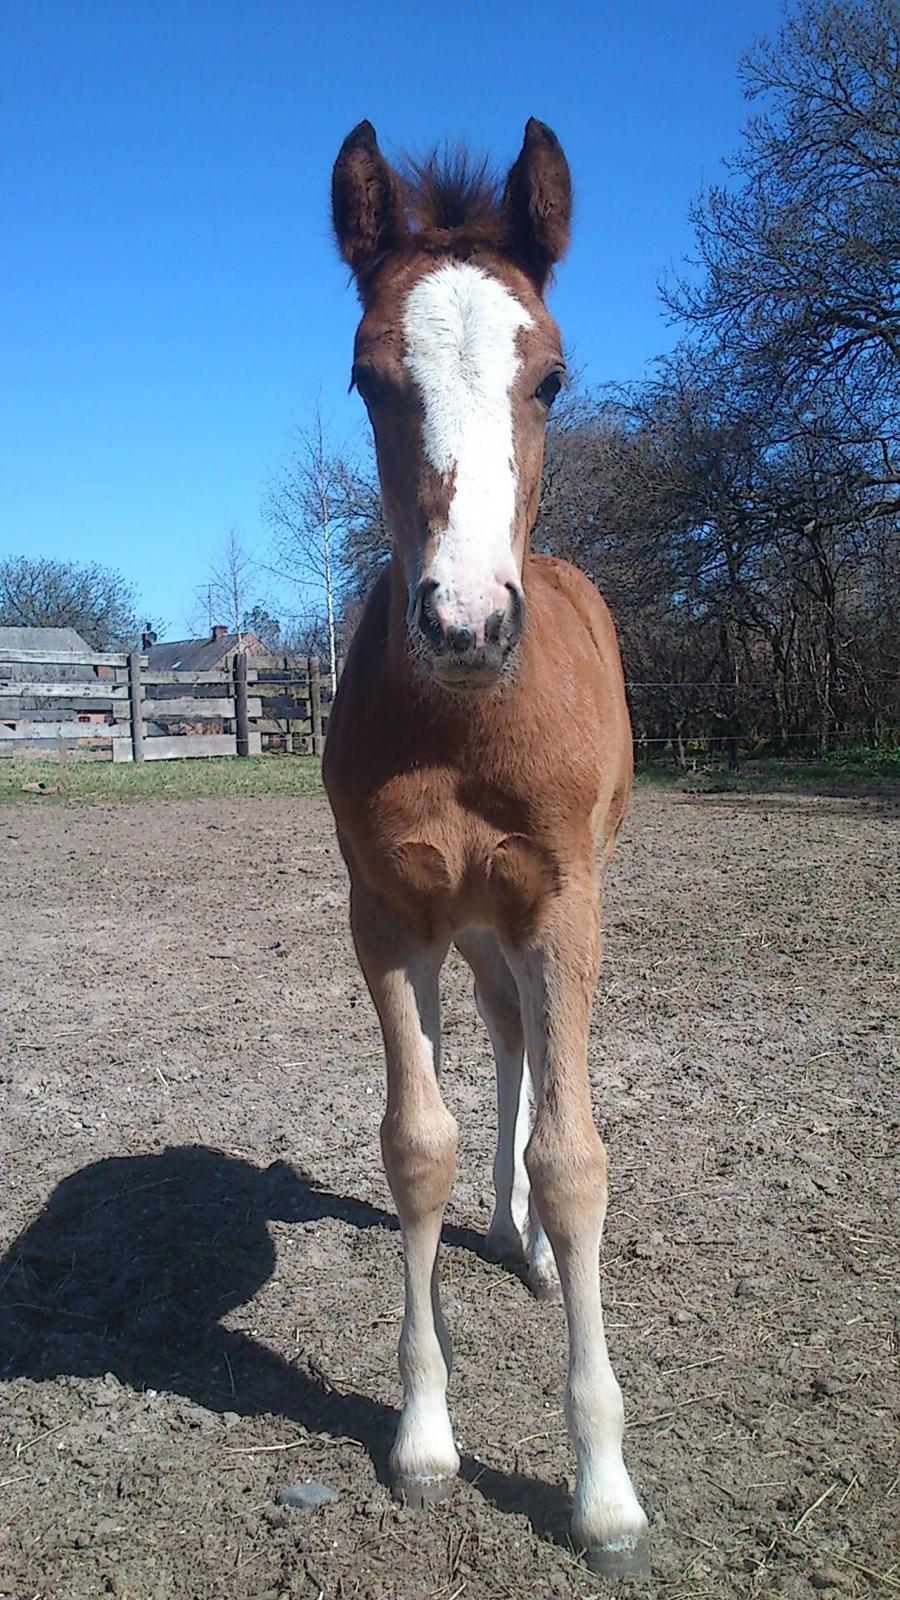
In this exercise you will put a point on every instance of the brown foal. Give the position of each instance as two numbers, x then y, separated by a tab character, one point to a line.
478	764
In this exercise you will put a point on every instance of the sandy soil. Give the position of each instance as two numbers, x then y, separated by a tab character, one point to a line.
202	1280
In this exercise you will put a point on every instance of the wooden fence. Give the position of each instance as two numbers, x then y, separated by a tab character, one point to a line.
115	707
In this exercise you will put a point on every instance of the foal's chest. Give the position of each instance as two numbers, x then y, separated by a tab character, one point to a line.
449	853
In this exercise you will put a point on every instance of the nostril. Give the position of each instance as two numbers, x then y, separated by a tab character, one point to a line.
493	628
513	618
425	617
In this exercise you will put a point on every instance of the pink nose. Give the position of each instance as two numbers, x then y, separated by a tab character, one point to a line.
486	641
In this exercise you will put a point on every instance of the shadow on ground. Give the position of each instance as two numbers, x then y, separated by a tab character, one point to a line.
134	1261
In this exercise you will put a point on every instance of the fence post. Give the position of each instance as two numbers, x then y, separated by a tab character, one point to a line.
242	721
315	705
136	698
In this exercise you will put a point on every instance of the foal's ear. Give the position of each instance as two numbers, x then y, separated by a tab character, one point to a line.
537	203
366	202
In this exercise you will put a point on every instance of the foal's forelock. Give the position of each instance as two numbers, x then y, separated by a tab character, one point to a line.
461	327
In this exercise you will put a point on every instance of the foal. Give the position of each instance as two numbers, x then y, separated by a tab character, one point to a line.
478	764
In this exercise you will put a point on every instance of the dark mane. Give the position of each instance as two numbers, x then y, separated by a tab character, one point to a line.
453	193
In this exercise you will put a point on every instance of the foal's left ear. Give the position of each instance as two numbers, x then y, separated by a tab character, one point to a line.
537	203
366	203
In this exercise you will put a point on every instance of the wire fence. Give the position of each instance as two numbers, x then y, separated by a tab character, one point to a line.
745	741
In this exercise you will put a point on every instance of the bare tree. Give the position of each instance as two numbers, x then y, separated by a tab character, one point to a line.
231	590
800	251
94	600
306	634
740	544
307	510
264	626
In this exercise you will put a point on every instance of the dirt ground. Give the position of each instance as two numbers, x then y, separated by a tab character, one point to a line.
202	1280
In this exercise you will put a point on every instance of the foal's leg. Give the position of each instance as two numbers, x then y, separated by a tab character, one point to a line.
418	1141
566	1162
515	1228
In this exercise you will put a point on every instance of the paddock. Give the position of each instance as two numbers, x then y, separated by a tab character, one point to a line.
202	1281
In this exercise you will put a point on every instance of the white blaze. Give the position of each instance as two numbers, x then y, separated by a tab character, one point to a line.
460	326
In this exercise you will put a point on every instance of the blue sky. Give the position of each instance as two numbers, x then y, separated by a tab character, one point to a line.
171	299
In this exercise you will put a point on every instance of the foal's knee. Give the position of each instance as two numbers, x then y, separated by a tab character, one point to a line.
419	1151
567	1168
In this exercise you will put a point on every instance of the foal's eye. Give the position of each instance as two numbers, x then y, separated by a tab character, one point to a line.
367	381
549	388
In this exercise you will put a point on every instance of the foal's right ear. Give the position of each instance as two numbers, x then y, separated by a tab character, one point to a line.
366	202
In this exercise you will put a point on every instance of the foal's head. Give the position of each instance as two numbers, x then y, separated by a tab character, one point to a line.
458	362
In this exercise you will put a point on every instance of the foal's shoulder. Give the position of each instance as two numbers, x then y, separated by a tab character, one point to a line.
361	680
551	576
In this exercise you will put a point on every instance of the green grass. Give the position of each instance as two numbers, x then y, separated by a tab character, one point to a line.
846	771
842	771
199	779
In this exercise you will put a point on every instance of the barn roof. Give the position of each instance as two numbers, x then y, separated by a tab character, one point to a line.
199	655
43	639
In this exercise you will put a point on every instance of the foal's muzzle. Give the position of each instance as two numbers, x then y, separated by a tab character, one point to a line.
457	654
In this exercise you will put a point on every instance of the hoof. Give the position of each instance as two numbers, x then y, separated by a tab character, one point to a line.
623	1558
504	1247
417	1493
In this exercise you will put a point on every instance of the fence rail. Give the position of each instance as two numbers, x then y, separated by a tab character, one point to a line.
116	707
65	658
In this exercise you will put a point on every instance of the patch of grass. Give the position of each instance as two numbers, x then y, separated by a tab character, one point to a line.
859	770
198	779
875	772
